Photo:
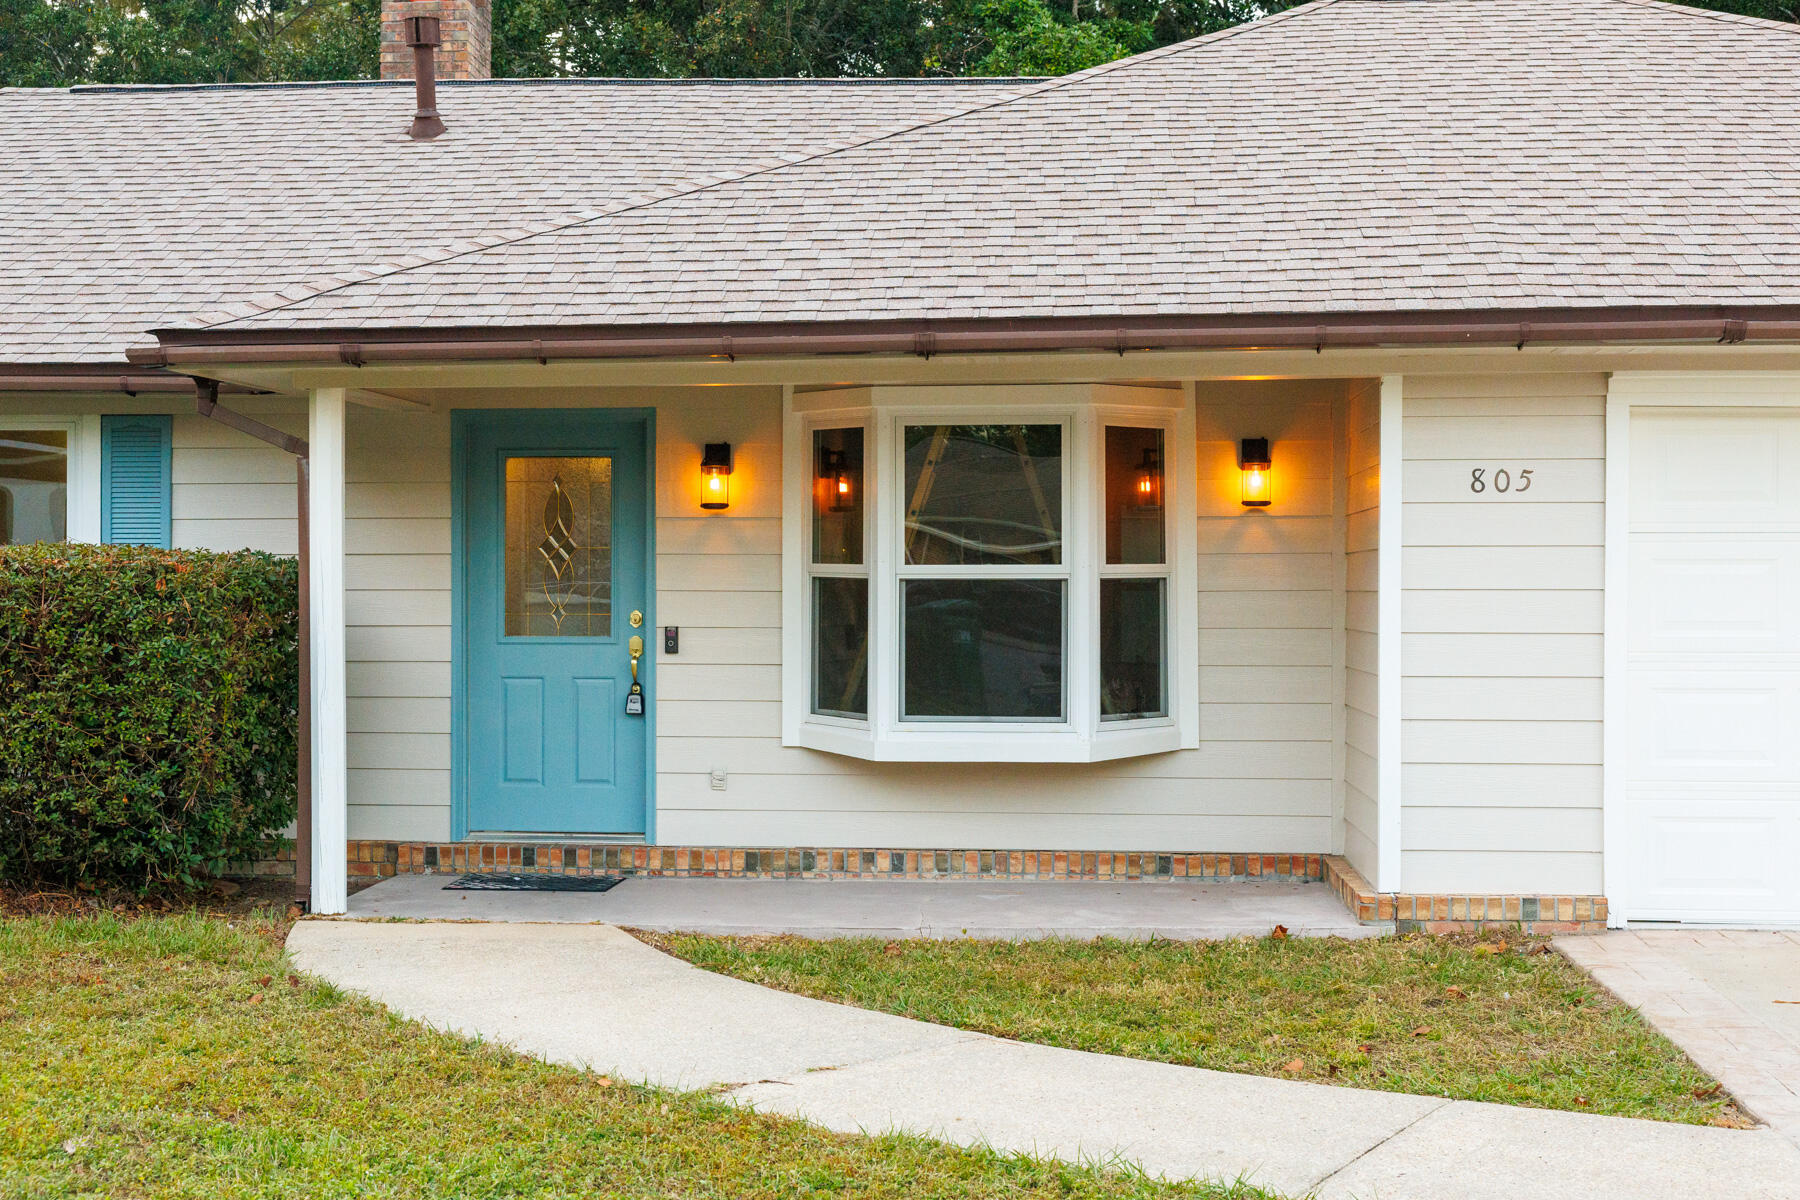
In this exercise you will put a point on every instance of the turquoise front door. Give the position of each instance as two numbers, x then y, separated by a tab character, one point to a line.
554	571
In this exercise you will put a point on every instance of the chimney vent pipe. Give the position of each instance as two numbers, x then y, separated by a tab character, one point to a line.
423	36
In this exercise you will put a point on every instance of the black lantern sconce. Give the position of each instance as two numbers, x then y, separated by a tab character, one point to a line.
715	476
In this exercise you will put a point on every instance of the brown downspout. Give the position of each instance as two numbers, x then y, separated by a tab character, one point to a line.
206	401
303	814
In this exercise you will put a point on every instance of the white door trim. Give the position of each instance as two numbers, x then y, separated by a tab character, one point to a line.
1613	640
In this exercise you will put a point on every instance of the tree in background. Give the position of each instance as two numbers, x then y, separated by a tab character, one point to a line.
54	43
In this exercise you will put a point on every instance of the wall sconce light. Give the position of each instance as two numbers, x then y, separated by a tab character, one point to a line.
1149	490
715	475
1253	461
835	478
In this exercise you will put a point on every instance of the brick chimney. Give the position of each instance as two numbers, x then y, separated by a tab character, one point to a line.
467	28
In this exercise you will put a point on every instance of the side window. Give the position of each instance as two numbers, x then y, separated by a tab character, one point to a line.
34	485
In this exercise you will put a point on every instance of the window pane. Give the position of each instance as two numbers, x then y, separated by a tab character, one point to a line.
838	496
558	547
983	649
34	486
841	647
1131	649
984	493
1134	495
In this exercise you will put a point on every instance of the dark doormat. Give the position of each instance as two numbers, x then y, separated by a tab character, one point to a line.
534	883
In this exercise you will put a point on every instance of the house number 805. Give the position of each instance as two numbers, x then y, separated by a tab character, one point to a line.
1502	480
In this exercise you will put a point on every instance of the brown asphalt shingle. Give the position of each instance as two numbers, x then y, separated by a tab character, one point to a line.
1350	155
124	209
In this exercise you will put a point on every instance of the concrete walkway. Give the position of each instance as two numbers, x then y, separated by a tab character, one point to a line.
1730	998
593	996
894	908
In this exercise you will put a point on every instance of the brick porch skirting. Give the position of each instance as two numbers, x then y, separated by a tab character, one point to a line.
383	859
1431	913
1442	912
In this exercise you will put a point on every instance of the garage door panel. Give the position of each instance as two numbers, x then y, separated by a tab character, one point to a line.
1715	469
1725	726
1694	594
1712	794
1706	856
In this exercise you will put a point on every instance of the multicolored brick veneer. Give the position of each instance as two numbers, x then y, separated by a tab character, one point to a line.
1446	913
383	859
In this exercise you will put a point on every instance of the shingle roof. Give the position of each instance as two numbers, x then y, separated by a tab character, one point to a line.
122	209
1350	155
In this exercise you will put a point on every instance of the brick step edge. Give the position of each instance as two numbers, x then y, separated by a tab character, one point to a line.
382	860
1447	912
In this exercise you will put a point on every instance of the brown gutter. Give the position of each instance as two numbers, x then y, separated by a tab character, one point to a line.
1309	332
206	403
47	377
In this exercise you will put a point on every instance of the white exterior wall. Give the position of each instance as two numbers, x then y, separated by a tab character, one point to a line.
1262	779
1270	640
229	491
1362	545
1501	652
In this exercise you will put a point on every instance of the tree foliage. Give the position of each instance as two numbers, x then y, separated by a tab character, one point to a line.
52	43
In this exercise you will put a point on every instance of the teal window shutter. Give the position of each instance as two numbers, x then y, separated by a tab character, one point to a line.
135	479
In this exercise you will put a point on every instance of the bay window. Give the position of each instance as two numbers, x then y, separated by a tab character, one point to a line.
989	573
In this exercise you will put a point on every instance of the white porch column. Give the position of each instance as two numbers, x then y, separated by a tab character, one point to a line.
330	718
1389	626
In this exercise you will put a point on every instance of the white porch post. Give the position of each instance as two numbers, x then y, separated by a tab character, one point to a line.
1389	627
330	720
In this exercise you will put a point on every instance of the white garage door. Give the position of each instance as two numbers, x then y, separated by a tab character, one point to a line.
1713	792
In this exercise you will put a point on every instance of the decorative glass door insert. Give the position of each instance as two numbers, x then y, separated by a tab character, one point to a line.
558	547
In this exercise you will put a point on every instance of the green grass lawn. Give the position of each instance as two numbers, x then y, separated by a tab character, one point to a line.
1475	1020
175	1056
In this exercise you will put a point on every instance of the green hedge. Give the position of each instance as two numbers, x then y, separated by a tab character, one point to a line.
148	703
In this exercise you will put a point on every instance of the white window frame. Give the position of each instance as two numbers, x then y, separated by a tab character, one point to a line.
82	520
1084	411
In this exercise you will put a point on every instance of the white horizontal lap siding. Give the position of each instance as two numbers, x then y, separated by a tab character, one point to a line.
229	491
397	607
1362	553
1261	780
1501	649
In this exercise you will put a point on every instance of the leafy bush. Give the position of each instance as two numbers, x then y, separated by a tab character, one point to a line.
148	705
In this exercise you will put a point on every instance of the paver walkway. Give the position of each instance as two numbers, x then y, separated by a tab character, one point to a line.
1730	998
895	908
593	996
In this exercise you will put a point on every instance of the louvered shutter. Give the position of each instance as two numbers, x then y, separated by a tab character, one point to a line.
134	479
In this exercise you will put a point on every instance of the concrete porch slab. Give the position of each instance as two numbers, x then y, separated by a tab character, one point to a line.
816	908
